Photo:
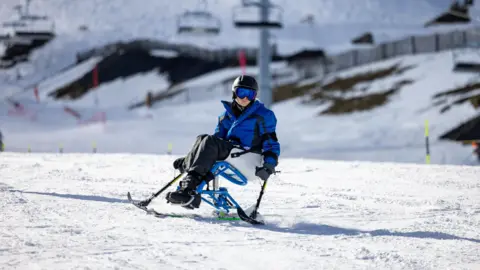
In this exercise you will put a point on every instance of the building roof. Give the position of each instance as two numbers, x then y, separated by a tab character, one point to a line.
457	13
467	131
365	38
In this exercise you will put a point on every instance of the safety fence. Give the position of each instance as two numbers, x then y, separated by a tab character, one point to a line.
407	46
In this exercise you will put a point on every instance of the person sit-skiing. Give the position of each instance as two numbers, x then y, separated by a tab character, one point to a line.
247	124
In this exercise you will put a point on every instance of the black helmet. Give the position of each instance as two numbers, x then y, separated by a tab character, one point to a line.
245	81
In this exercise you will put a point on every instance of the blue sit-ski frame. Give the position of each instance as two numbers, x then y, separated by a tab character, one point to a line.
221	199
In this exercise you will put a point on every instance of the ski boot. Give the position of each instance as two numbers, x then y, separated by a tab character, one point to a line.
187	196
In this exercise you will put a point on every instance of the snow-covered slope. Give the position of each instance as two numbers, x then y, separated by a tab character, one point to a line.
393	132
69	211
336	23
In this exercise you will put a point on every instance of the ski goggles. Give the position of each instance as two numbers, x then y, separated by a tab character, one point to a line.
245	93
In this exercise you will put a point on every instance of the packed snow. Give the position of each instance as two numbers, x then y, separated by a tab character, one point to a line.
69	211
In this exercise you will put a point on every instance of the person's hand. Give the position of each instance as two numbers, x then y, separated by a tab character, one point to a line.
178	164
265	171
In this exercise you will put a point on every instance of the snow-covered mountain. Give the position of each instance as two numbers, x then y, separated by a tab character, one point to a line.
391	132
336	21
83	25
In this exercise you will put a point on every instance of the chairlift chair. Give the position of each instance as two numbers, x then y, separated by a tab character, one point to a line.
198	22
22	29
32	17
27	25
275	11
14	24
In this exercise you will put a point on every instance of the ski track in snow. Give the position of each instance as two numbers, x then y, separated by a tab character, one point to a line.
70	211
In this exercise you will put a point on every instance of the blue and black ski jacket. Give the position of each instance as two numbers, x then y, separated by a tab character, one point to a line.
253	130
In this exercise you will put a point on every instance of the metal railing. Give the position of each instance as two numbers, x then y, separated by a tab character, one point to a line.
407	46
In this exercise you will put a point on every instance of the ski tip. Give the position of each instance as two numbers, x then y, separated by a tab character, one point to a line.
243	216
256	222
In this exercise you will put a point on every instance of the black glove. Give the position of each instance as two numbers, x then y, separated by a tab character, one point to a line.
178	164
265	171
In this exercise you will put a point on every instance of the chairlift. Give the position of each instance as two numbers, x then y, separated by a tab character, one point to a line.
25	15
274	22
29	27
30	17
15	24
23	29
467	65
198	23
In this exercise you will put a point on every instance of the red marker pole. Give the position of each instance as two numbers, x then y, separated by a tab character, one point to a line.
242	60
95	82
95	76
35	92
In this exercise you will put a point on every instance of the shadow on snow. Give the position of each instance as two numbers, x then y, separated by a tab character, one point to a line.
321	229
75	196
298	228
